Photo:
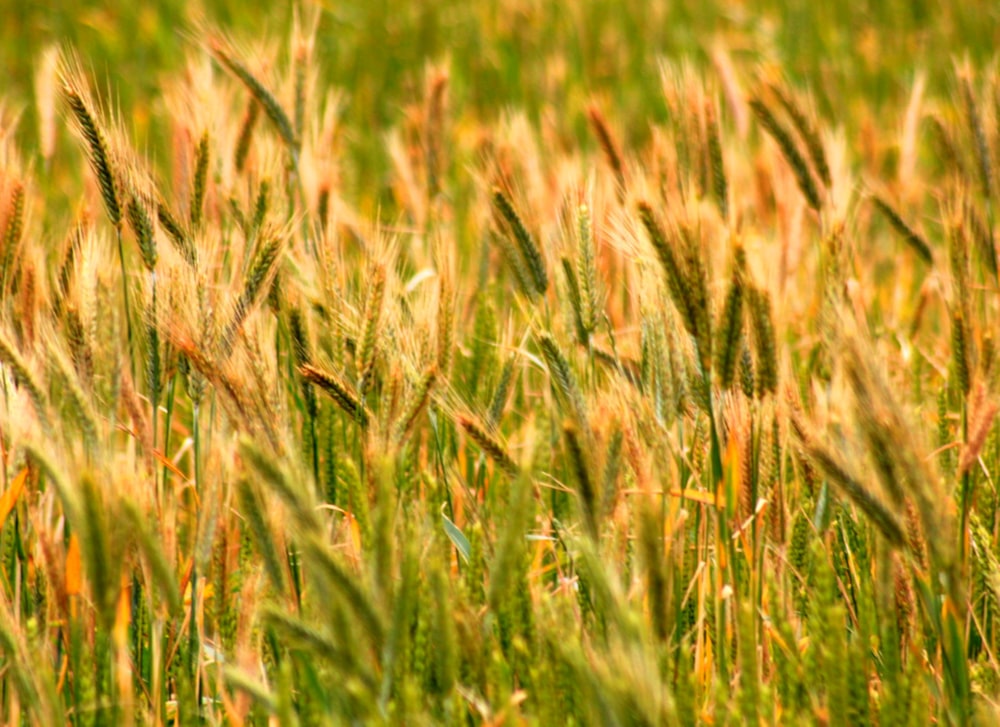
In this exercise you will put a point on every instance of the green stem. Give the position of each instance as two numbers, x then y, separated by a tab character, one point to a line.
966	491
168	417
154	375
193	647
724	543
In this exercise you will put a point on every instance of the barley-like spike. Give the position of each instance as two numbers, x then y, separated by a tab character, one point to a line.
66	270
368	335
300	346
78	98
958	257
246	134
323	206
201	158
982	237
434	141
10	356
416	402
807	132
649	356
181	240
492	446
581	468
501	393
881	417
83	357
226	56
525	243
261	204
522	276
76	396
837	473
730	332
445	325
960	352
561	373
627	367
719	185
573	290
300	61
746	371
606	140
586	270
677	284
23	284
947	148
978	431
339	391
696	290
766	369
142	226
788	149
261	270
975	120
12	230
612	468
911	237
300	352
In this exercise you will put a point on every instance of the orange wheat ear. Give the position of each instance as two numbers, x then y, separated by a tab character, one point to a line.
608	144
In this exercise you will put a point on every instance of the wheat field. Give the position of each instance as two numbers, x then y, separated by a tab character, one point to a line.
537	414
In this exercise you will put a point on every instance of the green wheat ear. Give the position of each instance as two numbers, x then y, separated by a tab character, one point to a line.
789	150
338	390
226	55
88	124
368	335
806	130
489	443
729	332
523	239
243	139
564	378
720	186
585	485
201	159
687	282
912	238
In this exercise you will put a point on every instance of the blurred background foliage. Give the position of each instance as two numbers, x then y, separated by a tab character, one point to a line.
548	59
